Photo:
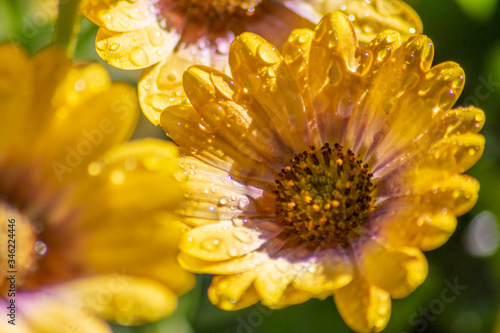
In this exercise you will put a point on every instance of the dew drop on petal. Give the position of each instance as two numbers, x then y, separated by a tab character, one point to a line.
138	56
243	203
243	236
155	37
40	248
211	244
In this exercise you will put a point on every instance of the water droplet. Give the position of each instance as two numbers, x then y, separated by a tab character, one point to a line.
223	201
212	115
267	53
102	44
233	252
383	54
411	81
155	37
117	177
335	73
472	151
389	104
40	248
114	47
94	169
211	244
138	57
243	203
243	235
80	85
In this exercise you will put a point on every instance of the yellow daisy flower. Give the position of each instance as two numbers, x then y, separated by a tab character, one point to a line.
325	170
81	238
174	34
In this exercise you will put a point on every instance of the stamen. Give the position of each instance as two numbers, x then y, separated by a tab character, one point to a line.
324	204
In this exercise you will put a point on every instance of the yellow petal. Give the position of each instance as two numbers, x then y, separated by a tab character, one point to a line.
296	54
458	193
161	85
259	68
223	241
364	307
135	49
16	91
80	133
273	279
47	313
217	195
233	266
233	292
368	17
331	80
117	175
329	272
124	299
146	246
216	98
213	149
426	230
396	270
120	15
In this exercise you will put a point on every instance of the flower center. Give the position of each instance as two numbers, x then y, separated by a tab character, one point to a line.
219	8
324	196
34	253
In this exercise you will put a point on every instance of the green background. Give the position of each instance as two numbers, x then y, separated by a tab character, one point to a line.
465	31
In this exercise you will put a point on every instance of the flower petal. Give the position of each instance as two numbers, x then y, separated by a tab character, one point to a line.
363	306
123	299
223	241
215	194
135	49
116	176
396	270
233	292
44	313
161	85
403	225
120	15
368	17
331	66
232	266
274	277
15	93
80	133
331	270
259	68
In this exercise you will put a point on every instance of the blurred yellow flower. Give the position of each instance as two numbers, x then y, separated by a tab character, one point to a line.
85	231
174	34
323	171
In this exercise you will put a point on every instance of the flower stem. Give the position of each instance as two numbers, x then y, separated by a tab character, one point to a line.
67	25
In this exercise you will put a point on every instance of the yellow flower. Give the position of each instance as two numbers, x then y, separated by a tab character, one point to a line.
326	170
85	231
174	34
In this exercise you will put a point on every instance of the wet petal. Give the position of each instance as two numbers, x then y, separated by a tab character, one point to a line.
363	306
396	270
120	15
124	299
223	241
232	266
259	68
135	49
368	17
331	270
233	292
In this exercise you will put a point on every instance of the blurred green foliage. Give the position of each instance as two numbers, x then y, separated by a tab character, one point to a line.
465	31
